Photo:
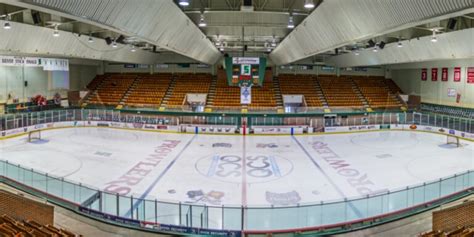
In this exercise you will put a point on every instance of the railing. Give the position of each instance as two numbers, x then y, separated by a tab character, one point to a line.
163	215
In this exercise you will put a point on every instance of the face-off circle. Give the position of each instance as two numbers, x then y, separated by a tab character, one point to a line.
258	168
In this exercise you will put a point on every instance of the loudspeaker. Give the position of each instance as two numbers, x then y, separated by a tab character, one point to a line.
382	45
452	23
248	3
108	40
371	43
36	17
120	39
26	83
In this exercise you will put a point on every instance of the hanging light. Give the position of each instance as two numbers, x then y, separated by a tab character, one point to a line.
375	49
434	39
7	24
356	52
202	22
274	43
222	47
291	23
133	49
399	44
114	44
56	32
90	40
308	4
184	3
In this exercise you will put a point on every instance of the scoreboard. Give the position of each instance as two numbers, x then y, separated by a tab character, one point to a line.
245	70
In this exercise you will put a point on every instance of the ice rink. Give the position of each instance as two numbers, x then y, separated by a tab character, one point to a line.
237	170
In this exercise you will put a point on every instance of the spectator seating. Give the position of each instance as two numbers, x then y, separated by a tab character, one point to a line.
112	89
448	110
226	96
339	92
189	83
263	97
149	90
300	85
376	92
453	221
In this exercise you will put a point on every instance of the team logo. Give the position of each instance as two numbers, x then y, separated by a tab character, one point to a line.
413	126
222	144
212	197
441	130
3	134
283	199
138	125
267	145
452	131
256	168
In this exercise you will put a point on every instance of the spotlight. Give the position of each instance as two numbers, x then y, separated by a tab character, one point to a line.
218	43
356	52
114	44
291	23
399	44
274	43
308	4
184	3
434	39
7	24
90	40
133	49
202	23
375	49
222	48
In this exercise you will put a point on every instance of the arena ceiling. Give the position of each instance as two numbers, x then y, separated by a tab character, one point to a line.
167	28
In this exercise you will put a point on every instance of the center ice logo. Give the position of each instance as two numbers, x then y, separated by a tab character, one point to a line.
256	168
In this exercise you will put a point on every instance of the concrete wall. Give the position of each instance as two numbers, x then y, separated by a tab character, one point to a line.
12	81
408	78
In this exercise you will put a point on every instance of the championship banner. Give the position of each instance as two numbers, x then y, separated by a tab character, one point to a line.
434	74
444	74
54	64
242	60
457	74
470	75
424	74
245	95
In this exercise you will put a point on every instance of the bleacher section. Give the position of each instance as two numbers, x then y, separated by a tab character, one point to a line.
339	92
111	89
301	85
188	83
456	221
226	96
21	216
169	90
448	110
377	93
148	90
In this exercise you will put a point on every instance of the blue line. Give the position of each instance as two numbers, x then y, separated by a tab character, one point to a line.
142	197
275	168
213	167
351	205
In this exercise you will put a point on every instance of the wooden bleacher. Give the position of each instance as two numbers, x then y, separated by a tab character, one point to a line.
339	92
300	85
376	92
149	90
112	89
456	221
189	83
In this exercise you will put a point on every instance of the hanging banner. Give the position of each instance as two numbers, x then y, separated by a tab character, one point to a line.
444	74
424	74
457	74
245	95
470	75
55	64
434	74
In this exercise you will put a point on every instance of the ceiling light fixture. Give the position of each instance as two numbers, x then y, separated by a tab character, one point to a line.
274	43
7	24
399	44
184	3
434	39
291	23
56	32
90	40
133	49
114	44
376	49
308	4
202	22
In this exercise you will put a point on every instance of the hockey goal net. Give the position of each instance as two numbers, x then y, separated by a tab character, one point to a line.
452	140
34	136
